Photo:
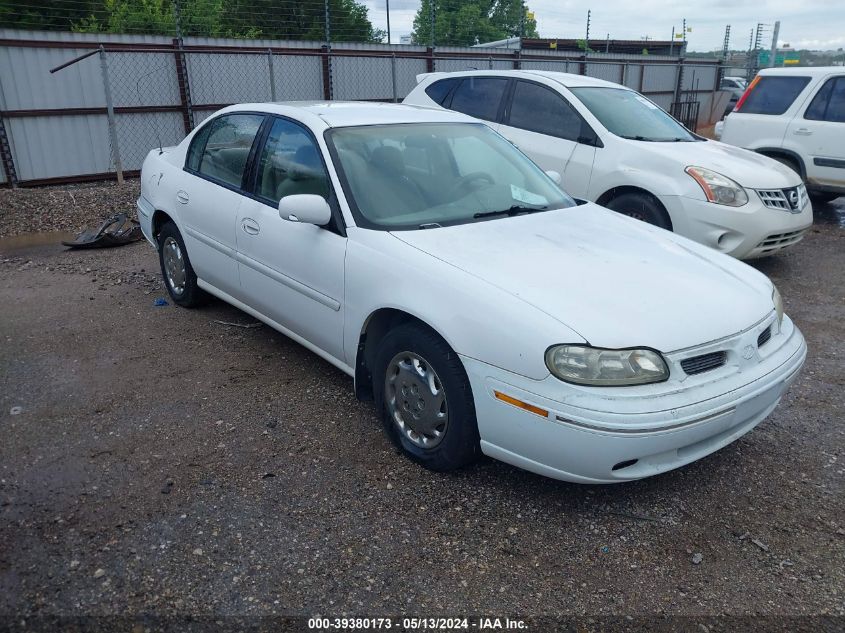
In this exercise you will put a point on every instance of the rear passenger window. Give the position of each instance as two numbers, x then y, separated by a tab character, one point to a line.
479	97
829	102
773	95
226	150
439	90
539	109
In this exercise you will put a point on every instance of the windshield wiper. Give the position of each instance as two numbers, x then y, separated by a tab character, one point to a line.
513	210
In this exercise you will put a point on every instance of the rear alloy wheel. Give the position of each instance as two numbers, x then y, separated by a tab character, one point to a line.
179	276
425	398
641	206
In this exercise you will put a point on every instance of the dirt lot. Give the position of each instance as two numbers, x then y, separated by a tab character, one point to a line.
154	460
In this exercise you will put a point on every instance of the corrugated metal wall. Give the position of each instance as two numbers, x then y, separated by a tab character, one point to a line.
57	123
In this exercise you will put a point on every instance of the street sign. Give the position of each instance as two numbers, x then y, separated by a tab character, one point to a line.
785	58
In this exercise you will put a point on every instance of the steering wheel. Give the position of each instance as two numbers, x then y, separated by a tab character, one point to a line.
467	179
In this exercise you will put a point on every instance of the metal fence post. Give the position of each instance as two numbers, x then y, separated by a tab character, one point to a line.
327	73
184	85
679	80
272	75
115	148
5	148
393	77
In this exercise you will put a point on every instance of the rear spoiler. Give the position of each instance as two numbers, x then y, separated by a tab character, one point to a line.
423	76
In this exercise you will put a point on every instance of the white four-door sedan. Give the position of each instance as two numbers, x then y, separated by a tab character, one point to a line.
617	148
483	309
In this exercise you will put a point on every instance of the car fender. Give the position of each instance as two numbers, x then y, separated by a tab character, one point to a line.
476	318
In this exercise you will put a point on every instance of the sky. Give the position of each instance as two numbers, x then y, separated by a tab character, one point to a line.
813	24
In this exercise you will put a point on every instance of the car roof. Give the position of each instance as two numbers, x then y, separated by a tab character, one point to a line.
804	71
352	113
568	80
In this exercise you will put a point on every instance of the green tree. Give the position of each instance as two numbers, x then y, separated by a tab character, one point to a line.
465	23
278	19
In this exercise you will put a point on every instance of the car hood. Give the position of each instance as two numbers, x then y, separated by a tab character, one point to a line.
616	281
748	168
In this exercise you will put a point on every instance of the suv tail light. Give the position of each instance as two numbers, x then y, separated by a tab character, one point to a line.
746	93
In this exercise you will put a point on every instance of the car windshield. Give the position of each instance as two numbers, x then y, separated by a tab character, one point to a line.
630	115
425	175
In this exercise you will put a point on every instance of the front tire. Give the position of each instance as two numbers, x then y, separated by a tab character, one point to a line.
176	269
641	206
425	399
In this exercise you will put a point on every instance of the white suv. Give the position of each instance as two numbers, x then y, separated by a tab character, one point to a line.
796	116
615	147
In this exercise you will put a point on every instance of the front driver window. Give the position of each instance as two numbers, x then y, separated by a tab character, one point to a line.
290	164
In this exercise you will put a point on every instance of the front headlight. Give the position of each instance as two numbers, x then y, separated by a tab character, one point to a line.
584	365
718	188
776	299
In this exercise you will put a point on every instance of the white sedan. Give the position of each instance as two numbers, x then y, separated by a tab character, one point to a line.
617	148
478	304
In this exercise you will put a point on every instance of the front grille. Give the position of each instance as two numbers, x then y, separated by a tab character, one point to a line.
705	362
777	241
792	199
764	337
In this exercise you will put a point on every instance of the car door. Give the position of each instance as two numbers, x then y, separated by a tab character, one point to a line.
821	132
209	196
543	124
292	272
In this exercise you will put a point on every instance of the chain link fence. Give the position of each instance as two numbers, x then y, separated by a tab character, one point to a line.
155	93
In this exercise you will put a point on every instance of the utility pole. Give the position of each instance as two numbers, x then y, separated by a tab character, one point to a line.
607	44
774	51
431	19
387	9
672	40
521	21
328	23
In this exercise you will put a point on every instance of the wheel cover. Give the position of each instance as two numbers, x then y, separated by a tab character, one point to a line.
174	265
416	400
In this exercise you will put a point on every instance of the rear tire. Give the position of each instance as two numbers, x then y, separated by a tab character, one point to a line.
424	398
176	269
641	206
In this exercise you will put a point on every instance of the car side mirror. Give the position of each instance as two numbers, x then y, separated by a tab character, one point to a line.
305	208
554	175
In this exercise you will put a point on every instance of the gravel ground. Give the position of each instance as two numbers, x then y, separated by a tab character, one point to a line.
156	461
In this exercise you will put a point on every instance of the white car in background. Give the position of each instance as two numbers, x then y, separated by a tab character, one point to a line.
796	116
618	149
476	302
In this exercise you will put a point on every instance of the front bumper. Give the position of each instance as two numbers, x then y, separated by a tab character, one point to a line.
596	435
746	232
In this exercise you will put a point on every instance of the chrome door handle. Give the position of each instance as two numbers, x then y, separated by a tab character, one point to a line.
802	131
182	196
250	226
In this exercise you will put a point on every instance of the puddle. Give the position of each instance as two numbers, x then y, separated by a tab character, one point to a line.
10	245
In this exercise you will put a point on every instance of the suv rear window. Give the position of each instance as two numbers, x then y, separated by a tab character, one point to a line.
773	95
439	90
